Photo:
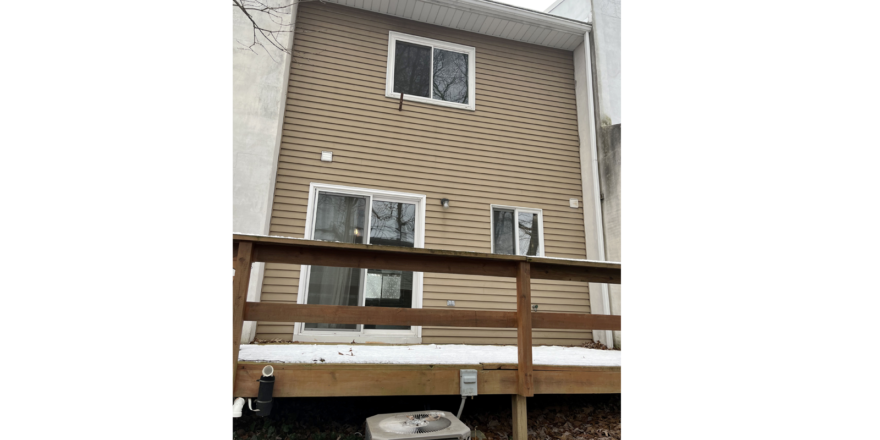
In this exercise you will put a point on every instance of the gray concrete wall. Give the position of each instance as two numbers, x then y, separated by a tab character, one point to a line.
609	182
606	33
259	84
574	9
605	17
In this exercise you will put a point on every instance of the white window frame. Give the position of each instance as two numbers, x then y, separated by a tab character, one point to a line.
412	336
394	37
516	210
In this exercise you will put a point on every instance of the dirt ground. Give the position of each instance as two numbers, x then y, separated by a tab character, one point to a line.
564	417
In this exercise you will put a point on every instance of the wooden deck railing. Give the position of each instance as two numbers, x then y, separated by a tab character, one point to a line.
249	249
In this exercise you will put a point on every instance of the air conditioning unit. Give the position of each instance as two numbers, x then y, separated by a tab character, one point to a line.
419	425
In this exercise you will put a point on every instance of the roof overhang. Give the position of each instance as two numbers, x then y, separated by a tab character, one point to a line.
483	17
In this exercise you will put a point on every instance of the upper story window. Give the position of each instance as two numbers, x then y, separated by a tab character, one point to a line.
517	231
430	71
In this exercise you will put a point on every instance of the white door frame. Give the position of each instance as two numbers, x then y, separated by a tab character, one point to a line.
414	336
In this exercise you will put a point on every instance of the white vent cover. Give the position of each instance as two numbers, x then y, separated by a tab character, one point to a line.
573	203
421	425
326	156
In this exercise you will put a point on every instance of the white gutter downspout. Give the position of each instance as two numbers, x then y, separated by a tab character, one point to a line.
597	202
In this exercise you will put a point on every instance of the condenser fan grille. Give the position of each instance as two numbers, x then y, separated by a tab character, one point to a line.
417	423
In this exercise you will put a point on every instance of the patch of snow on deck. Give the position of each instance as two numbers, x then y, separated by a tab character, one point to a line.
425	354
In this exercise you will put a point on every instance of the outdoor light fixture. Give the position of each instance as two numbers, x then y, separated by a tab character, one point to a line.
445	203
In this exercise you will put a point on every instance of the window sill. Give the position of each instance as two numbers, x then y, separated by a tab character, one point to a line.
471	107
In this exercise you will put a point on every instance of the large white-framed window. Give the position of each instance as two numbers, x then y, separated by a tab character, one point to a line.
368	216
517	231
430	71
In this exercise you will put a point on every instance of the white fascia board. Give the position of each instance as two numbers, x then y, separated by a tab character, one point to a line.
515	14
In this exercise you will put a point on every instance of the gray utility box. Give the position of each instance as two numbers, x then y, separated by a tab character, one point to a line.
468	382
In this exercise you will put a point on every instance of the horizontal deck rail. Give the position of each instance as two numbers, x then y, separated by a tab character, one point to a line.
257	311
249	249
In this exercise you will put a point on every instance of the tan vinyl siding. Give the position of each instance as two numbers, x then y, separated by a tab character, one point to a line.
519	148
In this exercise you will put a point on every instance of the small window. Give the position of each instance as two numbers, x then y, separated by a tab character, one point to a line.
517	231
430	71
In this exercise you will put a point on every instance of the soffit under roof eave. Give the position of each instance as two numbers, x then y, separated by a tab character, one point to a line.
483	17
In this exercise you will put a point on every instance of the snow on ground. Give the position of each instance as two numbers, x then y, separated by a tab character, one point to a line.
424	354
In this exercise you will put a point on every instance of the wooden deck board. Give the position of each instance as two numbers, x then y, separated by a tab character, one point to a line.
333	380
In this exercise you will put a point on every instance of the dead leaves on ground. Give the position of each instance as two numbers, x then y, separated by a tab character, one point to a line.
564	422
595	417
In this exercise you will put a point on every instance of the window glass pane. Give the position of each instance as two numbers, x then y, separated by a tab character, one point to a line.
450	76
389	288
391	224
340	218
412	69
335	286
528	233
337	218
503	232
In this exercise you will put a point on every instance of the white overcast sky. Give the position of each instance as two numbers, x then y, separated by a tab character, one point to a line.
538	5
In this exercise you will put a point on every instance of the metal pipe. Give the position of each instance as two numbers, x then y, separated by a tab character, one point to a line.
461	408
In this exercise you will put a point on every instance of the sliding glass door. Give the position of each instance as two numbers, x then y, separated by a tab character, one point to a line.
342	217
391	224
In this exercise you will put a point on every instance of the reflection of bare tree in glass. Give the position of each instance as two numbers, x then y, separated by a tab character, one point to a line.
510	229
393	224
450	76
528	234
412	69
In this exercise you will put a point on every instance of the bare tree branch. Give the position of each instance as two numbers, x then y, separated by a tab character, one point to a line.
269	24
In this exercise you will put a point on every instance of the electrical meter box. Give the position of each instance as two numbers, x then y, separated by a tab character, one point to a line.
468	382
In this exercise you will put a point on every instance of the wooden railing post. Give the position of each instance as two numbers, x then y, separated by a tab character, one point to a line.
524	329
240	282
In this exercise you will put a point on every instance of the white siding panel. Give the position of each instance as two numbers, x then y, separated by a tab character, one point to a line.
549	38
555	42
496	27
539	36
474	22
485	27
426	11
432	14
572	42
448	18
443	15
517	29
411	6
463	20
457	19
529	31
508	28
501	28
